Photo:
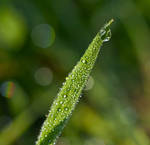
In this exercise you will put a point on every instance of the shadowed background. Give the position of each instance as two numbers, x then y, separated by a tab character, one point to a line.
41	41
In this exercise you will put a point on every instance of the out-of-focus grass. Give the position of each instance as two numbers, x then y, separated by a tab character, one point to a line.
118	101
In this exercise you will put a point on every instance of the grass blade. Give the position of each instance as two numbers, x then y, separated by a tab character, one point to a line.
69	94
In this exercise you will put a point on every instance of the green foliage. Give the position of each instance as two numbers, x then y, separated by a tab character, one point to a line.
69	94
114	109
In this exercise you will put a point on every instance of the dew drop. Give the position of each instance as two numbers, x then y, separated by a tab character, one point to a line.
105	32
64	83
102	32
83	61
106	37
66	108
65	96
94	48
59	109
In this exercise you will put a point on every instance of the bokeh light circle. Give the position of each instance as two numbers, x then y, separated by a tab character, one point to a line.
43	35
90	83
43	76
7	89
12	29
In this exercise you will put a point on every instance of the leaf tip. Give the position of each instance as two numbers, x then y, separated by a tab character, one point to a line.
105	32
110	22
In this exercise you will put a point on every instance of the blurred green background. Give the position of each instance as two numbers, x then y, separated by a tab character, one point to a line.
41	41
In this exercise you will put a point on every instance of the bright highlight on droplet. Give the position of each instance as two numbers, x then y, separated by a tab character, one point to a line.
7	89
43	35
43	76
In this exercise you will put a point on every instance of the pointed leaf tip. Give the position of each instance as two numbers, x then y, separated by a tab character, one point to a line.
105	32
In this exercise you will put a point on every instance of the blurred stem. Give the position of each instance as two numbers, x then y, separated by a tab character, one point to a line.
25	119
139	33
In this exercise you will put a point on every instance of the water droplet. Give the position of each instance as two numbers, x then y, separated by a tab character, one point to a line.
105	35
66	108
59	109
94	48
102	32
65	96
105	32
83	61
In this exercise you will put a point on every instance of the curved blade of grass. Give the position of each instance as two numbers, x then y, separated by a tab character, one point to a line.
69	94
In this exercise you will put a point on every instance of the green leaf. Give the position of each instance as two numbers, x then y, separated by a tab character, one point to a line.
69	94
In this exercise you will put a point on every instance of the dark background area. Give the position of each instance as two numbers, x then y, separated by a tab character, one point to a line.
41	41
